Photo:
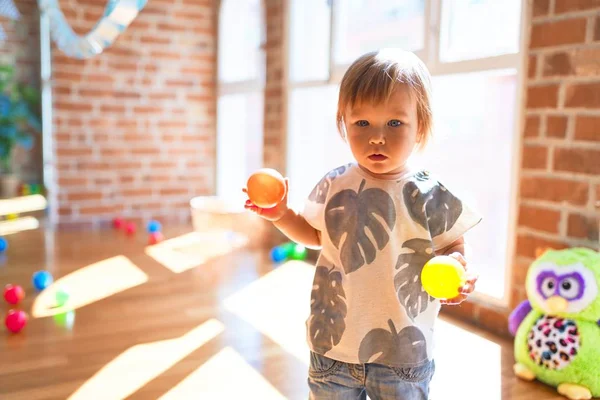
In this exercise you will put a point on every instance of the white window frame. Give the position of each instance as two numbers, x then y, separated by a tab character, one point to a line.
430	54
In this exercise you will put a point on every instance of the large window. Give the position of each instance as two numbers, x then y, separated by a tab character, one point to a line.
240	103
471	48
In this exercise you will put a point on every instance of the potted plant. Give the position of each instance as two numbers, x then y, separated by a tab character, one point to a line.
19	120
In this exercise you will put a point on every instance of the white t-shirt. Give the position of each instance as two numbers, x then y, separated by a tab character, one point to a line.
367	301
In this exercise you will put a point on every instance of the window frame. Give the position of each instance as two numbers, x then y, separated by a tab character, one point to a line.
430	55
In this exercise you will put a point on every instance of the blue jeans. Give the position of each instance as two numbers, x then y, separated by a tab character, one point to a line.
335	380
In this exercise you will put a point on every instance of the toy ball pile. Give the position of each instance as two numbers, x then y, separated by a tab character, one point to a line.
288	251
154	229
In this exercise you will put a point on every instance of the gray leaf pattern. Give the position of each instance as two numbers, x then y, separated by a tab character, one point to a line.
319	193
430	204
407	281
350	214
387	347
328	309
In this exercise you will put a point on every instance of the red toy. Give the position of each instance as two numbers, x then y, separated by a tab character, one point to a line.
13	294
155	237
130	228
118	223
15	320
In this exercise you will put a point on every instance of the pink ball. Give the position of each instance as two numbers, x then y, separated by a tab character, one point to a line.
118	223
15	320
155	237
130	228
13	294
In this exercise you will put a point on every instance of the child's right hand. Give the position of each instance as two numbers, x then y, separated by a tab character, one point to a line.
270	214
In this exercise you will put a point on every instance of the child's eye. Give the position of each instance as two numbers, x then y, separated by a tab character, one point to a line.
394	123
362	122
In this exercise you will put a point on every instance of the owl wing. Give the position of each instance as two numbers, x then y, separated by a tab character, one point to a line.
517	316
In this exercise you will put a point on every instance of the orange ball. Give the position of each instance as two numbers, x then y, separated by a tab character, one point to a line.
266	188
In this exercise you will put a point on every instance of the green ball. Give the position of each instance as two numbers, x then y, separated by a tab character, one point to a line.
299	252
61	297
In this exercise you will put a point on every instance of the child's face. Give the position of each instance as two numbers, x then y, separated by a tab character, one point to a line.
382	137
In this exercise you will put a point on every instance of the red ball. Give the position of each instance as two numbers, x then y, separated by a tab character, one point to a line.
130	228
13	294
15	320
155	237
118	223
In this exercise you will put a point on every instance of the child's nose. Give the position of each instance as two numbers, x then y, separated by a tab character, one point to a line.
377	138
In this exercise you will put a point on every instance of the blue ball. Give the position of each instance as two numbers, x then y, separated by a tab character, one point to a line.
278	254
3	244
154	226
42	279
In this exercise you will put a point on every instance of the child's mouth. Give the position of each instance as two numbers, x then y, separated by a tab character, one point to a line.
377	157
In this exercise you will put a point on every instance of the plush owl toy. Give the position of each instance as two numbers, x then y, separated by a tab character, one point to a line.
557	330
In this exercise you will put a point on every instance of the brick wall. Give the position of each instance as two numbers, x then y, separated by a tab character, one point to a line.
134	127
275	88
560	171
21	49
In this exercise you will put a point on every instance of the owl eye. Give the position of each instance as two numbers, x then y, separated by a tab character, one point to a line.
548	286
569	288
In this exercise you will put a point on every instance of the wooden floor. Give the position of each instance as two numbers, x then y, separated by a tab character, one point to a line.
173	323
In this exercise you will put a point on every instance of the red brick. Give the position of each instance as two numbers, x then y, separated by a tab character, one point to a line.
67	152
542	96
534	157
539	218
555	190
520	267
78	196
583	227
597	29
557	64
99	210
556	33
528	244
584	95
72	106
137	192
556	126
585	161
585	61
540	7
587	128
64	181
564	6
532	126
532	66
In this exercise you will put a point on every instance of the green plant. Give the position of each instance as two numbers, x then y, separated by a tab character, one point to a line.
19	116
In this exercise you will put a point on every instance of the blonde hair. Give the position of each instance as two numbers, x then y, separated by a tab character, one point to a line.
373	77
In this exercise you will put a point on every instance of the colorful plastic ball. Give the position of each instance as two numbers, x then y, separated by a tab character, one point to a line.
15	320
13	294
154	226
266	188
278	254
155	237
299	252
65	320
12	217
42	279
130	228
3	244
442	277
118	223
62	296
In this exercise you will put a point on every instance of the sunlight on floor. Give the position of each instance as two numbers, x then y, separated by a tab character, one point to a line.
88	285
461	355
23	204
192	249
225	376
10	227
138	365
278	305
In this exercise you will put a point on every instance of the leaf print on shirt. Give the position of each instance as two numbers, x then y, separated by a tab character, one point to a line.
328	309
430	204
350	215
407	281
319	193
388	347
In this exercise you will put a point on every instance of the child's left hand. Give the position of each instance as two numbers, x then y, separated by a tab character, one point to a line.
469	285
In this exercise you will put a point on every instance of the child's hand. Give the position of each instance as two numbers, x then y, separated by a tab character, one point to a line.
469	285
270	214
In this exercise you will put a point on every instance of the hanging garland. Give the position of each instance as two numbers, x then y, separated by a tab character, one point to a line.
117	17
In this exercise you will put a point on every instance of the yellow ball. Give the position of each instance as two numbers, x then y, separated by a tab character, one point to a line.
442	276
